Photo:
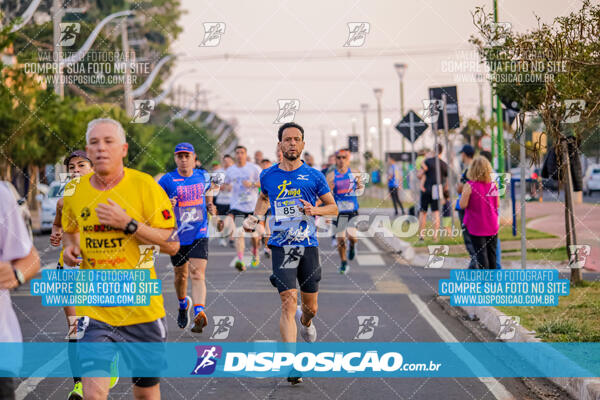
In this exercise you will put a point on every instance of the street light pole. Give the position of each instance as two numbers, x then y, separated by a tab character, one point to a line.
334	134
378	94
128	97
400	70
57	13
364	107
499	119
387	122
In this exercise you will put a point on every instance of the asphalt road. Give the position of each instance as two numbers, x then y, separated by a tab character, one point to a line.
402	297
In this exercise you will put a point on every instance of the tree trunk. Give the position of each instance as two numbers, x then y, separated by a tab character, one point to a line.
576	274
33	182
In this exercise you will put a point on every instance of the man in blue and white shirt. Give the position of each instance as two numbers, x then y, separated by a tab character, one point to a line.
292	188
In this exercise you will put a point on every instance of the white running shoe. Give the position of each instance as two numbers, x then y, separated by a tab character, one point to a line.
308	333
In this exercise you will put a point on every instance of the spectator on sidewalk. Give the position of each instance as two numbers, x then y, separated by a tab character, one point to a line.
479	199
394	175
466	154
447	213
488	155
431	190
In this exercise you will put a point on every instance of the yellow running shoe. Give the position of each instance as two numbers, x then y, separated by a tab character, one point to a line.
114	371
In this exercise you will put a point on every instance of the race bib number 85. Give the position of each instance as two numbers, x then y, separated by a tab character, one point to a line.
287	209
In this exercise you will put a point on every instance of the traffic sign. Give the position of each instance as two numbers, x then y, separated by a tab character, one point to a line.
353	144
411	120
451	105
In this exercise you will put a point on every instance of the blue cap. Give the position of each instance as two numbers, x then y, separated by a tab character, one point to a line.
468	150
184	147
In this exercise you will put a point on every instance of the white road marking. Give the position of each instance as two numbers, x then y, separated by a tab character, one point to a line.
369	260
493	385
370	245
29	384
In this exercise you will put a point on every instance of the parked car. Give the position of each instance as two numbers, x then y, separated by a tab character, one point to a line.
591	179
49	201
22	205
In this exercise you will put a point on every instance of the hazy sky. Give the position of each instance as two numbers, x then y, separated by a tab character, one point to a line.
292	45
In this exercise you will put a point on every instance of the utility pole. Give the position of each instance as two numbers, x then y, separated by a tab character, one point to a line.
401	70
449	158
364	107
197	97
499	120
57	13
128	97
378	94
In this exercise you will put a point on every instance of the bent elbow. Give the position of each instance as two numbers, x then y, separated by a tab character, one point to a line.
172	248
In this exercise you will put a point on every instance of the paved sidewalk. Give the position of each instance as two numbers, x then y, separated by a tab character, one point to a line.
550	217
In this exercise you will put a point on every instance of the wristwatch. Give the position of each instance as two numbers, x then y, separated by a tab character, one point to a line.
19	275
131	227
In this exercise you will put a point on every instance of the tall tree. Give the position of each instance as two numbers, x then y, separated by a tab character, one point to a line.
553	70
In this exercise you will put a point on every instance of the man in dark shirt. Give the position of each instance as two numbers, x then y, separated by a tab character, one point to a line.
466	153
431	190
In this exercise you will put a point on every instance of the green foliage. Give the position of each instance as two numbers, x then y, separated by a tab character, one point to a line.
542	68
40	128
156	21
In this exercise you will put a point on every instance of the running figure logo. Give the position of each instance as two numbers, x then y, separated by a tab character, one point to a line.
502	180
437	253
573	110
68	33
143	108
357	33
68	183
508	327
223	325
292	256
207	359
287	110
77	327
366	326
431	110
578	255
212	34
500	30
148	254
189	216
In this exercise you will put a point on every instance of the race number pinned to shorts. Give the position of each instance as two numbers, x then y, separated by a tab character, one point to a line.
148	254
287	209
292	256
77	327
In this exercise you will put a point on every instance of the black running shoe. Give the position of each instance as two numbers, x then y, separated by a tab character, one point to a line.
183	318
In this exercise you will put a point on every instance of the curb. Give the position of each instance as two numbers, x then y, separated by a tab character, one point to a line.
394	244
578	388
489	317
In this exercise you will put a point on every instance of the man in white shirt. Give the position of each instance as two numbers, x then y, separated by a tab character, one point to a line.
19	262
243	179
223	200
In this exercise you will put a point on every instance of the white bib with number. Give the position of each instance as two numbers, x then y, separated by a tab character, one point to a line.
287	209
